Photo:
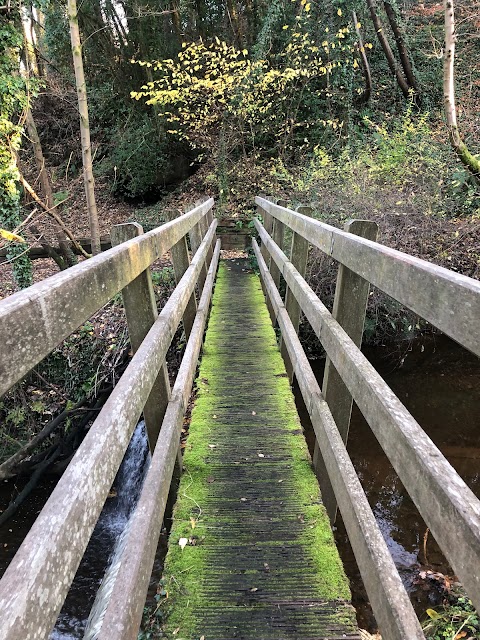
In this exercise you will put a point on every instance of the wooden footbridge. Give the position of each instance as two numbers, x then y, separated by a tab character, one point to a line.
251	552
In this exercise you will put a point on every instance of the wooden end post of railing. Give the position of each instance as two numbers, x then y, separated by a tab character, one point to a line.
210	218
277	232
349	307
181	262
299	258
196	235
268	225
141	313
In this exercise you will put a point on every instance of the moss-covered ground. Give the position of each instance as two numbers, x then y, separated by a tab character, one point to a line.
251	552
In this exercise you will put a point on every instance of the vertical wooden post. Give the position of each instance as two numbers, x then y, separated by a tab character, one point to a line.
277	233
203	225
351	296
298	257
268	224
181	262
209	222
196	236
141	313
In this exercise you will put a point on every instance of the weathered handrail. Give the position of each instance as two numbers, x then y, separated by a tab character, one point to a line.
34	321
434	293
387	594
450	509
124	612
37	580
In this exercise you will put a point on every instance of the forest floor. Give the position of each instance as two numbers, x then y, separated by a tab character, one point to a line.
409	216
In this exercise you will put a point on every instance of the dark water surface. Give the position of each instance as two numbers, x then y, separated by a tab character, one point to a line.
439	383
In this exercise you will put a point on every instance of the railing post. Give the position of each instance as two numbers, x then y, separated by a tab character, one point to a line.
268	225
196	236
181	262
203	225
210	218
278	230
141	313
298	257
351	295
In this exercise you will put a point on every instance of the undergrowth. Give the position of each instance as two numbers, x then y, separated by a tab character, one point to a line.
456	620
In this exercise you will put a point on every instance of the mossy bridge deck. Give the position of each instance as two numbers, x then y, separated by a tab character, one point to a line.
251	552
259	559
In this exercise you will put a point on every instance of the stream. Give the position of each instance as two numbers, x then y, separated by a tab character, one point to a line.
438	381
111	523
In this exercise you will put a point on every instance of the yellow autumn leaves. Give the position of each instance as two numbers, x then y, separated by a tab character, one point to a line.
214	86
11	237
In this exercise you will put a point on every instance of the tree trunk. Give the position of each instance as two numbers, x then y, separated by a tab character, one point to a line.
235	24
39	159
176	22
365	97
38	26
402	83
84	126
401	46
66	253
470	161
29	45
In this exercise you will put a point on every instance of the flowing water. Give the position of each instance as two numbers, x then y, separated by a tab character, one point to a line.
112	521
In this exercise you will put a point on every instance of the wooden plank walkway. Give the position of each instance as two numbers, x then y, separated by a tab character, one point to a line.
258	558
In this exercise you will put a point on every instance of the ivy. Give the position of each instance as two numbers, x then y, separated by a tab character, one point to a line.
13	100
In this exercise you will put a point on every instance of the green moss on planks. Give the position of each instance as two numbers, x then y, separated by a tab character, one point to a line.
260	561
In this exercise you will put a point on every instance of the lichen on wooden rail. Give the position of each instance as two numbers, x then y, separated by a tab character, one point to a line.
258	557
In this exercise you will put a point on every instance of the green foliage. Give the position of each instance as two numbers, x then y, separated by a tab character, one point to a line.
150	217
404	148
138	158
164	277
73	365
13	100
16	416
457	620
214	91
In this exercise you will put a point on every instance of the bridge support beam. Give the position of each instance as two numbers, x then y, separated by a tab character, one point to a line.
350	303
196	236
299	258
181	262
141	313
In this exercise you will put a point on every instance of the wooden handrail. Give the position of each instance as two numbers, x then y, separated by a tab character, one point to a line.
447	300
390	601
449	508
34	321
124	612
37	580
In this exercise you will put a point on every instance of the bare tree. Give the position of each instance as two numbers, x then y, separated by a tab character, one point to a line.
468	159
365	97
401	47
382	38
84	125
